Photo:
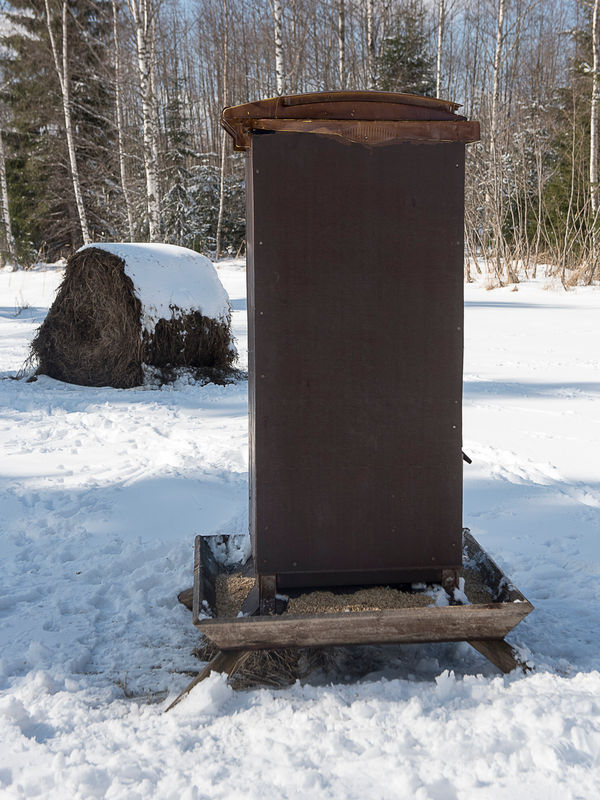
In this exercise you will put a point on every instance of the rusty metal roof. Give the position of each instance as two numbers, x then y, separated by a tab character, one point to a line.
367	117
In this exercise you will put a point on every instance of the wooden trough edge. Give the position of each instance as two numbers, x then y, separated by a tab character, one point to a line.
402	626
407	625
483	626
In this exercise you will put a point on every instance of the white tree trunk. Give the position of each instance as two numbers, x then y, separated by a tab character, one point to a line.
495	205
143	15
224	133
594	120
440	37
371	77
119	114
62	70
342	42
595	108
278	28
10	242
497	64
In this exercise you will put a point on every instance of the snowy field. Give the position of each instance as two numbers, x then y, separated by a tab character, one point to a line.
102	492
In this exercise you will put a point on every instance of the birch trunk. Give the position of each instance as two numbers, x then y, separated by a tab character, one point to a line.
223	133
342	43
119	113
278	27
10	242
440	37
594	120
497	63
495	166
62	71
143	17
371	44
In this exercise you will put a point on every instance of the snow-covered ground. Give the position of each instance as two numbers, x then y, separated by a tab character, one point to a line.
102	491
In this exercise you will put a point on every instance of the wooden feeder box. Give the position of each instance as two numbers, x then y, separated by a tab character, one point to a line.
355	308
355	215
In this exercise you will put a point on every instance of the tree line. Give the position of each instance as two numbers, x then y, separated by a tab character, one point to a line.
109	115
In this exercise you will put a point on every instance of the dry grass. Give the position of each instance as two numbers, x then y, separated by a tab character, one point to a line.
276	668
92	334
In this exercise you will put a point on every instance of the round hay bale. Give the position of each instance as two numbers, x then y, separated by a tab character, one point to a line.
121	306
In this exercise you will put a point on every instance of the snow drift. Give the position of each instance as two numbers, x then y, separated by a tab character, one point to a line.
124	305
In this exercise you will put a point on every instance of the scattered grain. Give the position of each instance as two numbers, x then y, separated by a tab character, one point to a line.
231	591
375	598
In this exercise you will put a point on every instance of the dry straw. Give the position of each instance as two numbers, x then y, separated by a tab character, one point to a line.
93	336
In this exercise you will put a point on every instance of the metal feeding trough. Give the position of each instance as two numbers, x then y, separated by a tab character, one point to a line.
355	214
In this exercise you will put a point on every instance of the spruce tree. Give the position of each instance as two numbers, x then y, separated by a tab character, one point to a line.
40	187
405	64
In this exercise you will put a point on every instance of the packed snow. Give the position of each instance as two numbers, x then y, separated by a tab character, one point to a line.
167	277
102	491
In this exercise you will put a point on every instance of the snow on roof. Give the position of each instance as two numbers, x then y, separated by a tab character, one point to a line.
165	275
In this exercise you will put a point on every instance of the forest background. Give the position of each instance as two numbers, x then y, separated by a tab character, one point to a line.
109	115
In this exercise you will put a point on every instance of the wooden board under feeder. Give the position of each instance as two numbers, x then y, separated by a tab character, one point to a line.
495	607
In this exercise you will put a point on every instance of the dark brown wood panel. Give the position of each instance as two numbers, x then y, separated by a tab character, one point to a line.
355	310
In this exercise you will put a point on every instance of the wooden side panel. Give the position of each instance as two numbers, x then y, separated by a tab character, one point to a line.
355	310
205	573
446	624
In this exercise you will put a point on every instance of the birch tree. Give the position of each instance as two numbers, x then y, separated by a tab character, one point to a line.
494	198
119	120
341	31
371	77
278	37
61	64
594	121
143	13
223	132
440	39
8	235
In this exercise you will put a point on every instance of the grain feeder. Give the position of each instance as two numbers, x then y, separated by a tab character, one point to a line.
355	292
355	214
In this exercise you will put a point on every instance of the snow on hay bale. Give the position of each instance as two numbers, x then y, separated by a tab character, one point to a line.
124	305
